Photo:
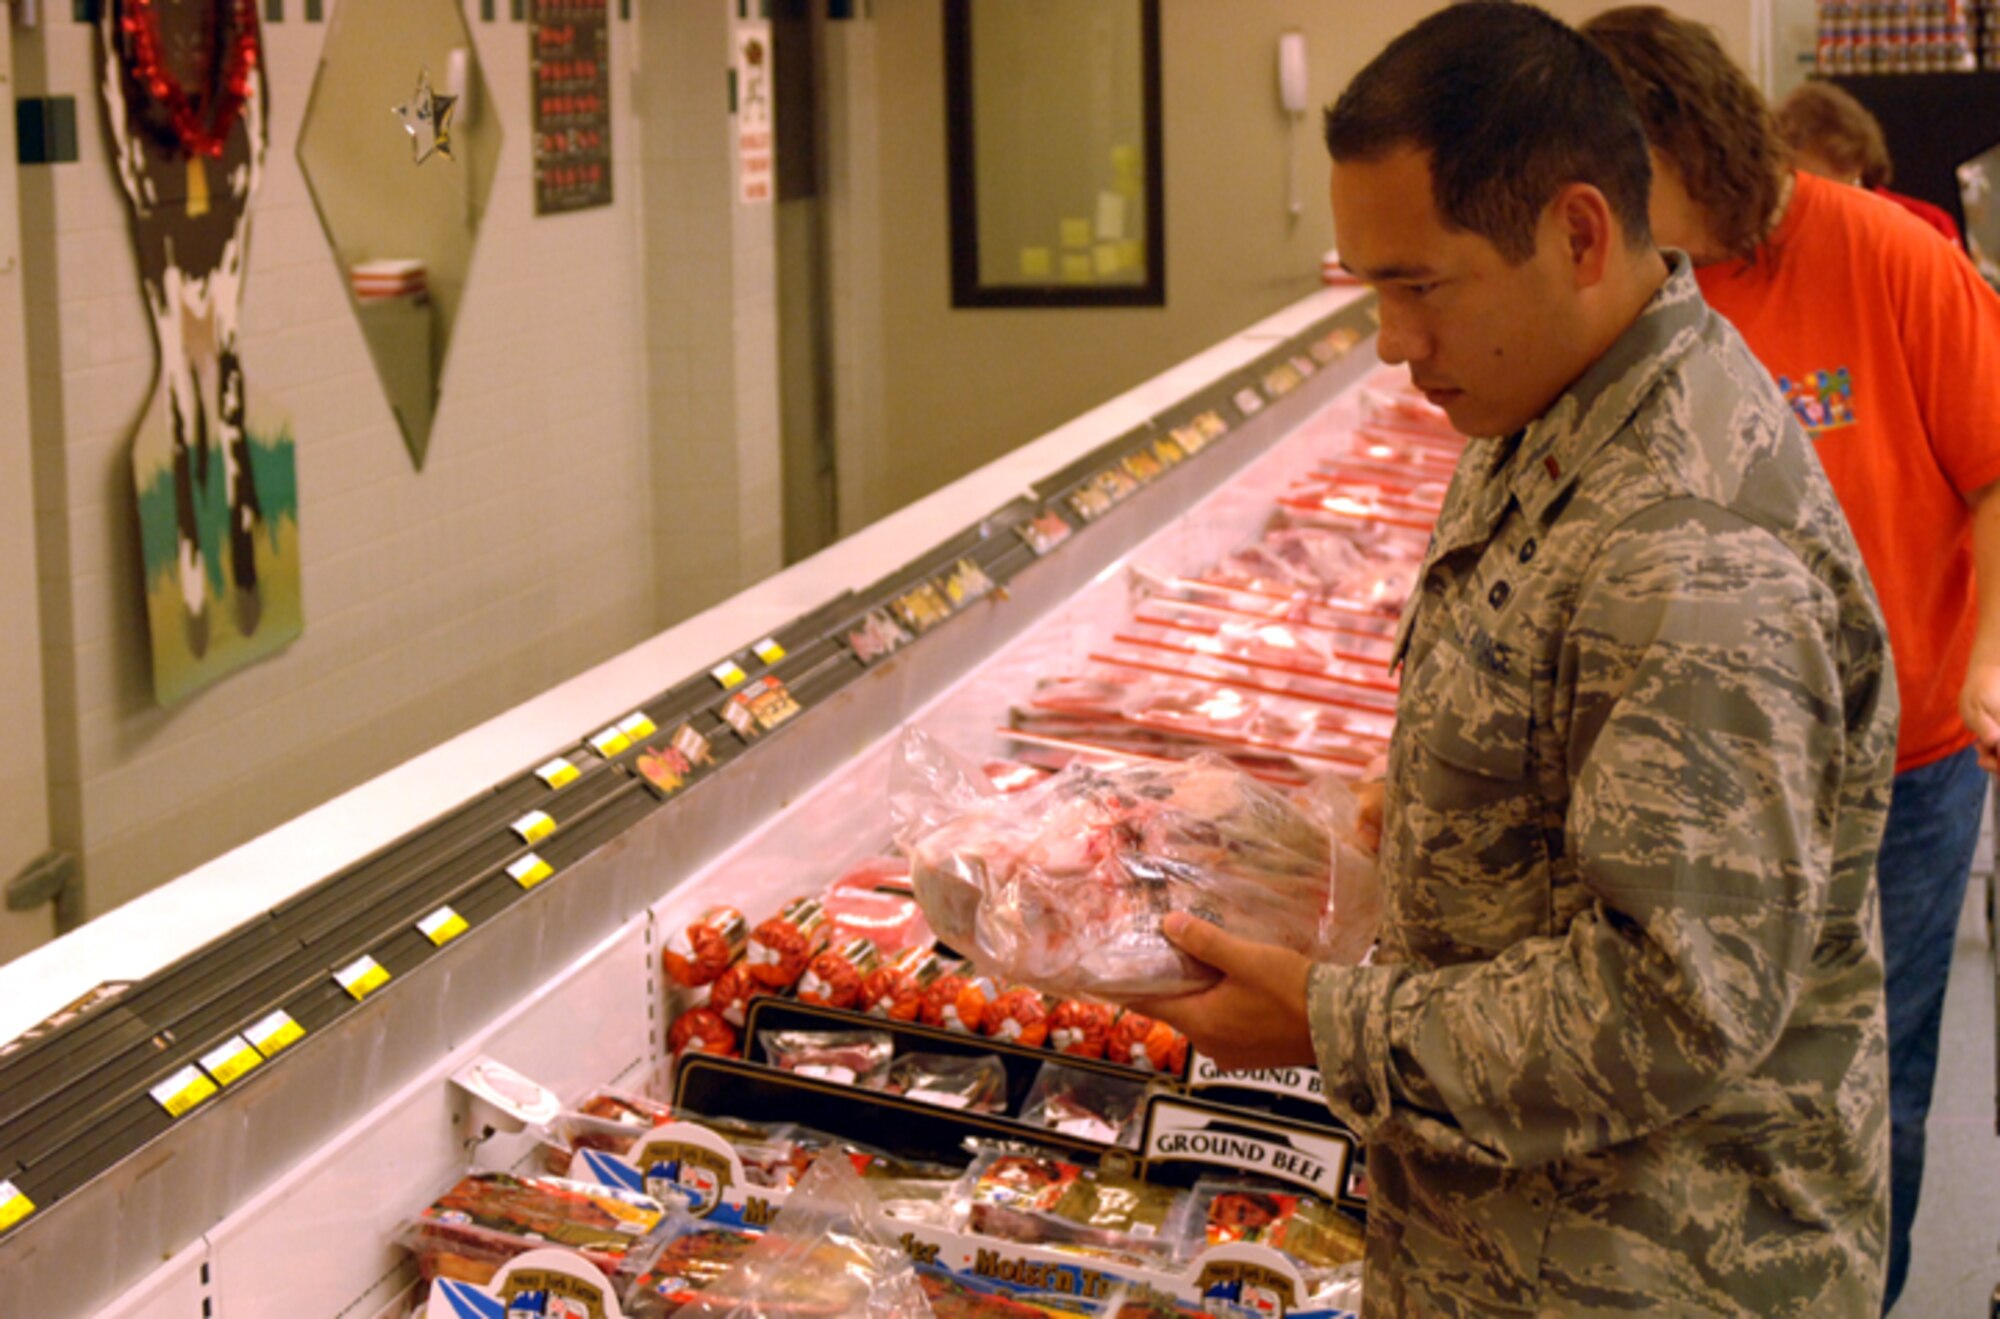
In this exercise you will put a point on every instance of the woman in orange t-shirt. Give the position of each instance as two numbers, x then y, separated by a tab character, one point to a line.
1887	346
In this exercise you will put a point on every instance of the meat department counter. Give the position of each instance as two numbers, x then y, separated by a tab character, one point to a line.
249	1094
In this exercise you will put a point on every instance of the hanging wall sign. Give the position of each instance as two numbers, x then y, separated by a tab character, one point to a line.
756	151
570	64
216	490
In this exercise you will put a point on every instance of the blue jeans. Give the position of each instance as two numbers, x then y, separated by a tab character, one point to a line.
1927	853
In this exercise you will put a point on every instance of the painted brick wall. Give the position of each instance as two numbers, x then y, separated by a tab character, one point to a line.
520	555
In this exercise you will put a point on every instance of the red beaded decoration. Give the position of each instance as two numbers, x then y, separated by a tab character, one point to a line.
199	124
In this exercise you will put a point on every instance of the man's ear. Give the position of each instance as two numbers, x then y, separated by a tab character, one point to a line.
1587	231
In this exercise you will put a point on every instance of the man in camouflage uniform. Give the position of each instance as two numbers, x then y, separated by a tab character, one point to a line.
1621	1049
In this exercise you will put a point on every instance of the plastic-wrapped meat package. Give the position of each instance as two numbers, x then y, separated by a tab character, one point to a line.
1081	1029
703	950
689	1265
950	1080
1063	887
1354	916
489	1218
781	947
834	978
1050	1201
830	1252
729	997
896	989
1390	400
1315	1234
874	901
608	1120
1085	1104
955	1297
845	1057
1152	1046
1018	1016
702	1030
958	1001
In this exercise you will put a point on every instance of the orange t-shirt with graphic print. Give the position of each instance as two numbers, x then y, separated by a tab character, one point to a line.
1886	343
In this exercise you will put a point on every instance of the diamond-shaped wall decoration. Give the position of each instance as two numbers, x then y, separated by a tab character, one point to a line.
399	149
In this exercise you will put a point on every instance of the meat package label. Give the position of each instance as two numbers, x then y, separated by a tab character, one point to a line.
877	637
542	1284
1298	1082
1045	532
1193	1132
1248	401
676	1161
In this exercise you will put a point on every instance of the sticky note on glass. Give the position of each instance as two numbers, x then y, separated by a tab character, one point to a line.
1132	254
1037	263
1076	232
1076	268
1110	217
1104	260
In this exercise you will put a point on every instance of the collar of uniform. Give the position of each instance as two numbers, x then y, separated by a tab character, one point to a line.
1602	400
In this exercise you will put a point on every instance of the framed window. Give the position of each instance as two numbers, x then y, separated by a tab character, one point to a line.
1054	118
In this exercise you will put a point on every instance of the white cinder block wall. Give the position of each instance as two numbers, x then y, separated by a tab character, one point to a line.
529	548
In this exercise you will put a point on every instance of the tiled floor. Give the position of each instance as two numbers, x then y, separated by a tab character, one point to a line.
1955	1251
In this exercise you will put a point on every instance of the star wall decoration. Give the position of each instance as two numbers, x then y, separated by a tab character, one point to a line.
427	119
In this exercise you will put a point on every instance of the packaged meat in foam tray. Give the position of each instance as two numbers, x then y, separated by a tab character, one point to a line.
1063	886
949	1080
875	901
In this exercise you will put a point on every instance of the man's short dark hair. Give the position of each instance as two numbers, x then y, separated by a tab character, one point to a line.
1511	105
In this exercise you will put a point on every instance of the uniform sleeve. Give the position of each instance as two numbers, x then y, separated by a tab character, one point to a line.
1950	331
1705	749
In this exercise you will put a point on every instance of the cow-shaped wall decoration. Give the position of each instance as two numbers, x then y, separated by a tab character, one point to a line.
185	104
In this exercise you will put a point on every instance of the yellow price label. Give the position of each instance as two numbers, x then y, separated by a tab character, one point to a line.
362	977
558	773
610	742
275	1032
229	1060
769	650
636	726
14	1206
728	673
530	870
534	826
442	926
183	1090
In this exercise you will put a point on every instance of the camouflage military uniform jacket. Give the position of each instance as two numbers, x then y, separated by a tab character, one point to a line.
1623	1049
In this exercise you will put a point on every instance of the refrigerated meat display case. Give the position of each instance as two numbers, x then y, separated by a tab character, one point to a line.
224	1097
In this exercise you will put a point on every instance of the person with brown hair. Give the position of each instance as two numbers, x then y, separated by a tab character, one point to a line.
1886	343
1832	135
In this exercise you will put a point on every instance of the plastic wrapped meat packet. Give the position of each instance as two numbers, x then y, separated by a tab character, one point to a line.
1086	1104
703	950
1063	886
834	978
829	1253
950	1080
1050	1201
1018	1016
689	1265
731	993
845	1057
1149	1045
896	989
958	1002
607	1120
702	1030
1314	1233
1081	1029
489	1218
781	947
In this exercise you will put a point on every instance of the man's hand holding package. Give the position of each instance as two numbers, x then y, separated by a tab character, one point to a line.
1256	1015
